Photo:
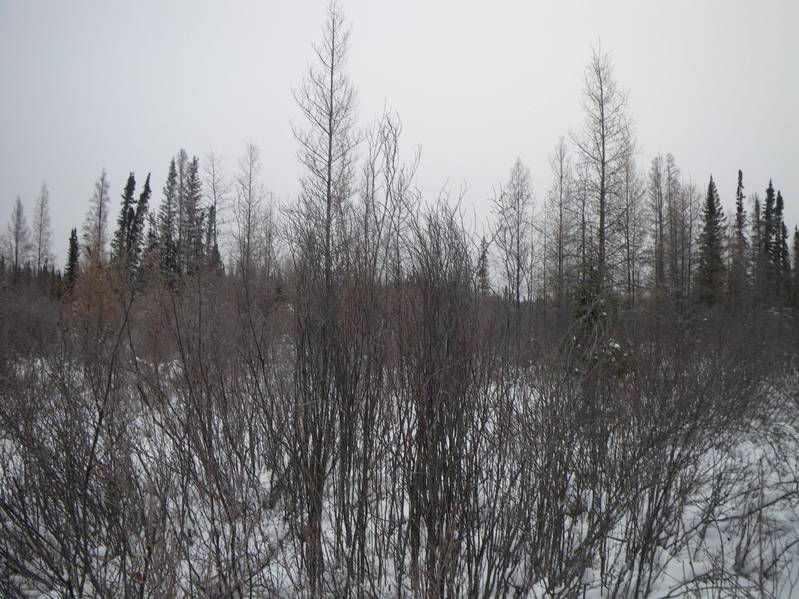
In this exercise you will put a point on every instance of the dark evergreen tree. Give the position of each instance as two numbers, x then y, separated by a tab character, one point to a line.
738	270
710	272
71	271
740	212
769	229
796	267
756	248
151	251
213	258
192	225
167	224
782	262
180	222
136	231
119	244
483	283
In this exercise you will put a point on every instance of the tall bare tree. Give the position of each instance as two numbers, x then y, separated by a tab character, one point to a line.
513	229
217	190
560	216
584	213
632	230
675	223
42	233
658	210
248	210
604	145
96	225
325	400
326	99
18	242
672	212
693	203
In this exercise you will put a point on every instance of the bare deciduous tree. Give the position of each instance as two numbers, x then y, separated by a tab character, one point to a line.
42	233
560	212
604	146
249	211
18	240
514	228
326	99
326	404
633	230
217	189
95	228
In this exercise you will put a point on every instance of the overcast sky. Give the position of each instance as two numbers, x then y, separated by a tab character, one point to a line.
86	85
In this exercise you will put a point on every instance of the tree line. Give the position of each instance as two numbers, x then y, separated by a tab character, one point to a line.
352	395
604	227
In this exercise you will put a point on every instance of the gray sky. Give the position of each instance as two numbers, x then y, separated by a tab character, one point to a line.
87	84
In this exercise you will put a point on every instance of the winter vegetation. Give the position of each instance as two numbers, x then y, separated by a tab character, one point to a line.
354	394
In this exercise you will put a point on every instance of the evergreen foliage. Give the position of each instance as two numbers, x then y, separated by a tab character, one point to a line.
167	224
483	283
740	213
119	245
738	271
71	270
782	257
796	267
756	249
136	232
192	224
710	271
769	240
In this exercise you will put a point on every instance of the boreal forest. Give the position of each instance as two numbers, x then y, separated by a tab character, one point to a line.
590	391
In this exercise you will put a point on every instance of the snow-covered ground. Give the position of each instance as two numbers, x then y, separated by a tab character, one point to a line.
191	504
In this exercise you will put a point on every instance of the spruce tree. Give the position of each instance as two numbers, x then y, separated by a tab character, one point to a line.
770	284
710	273
119	245
213	259
192	218
71	271
756	248
167	224
740	212
796	267
150	262
769	230
136	230
483	285
782	261
738	280
180	205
